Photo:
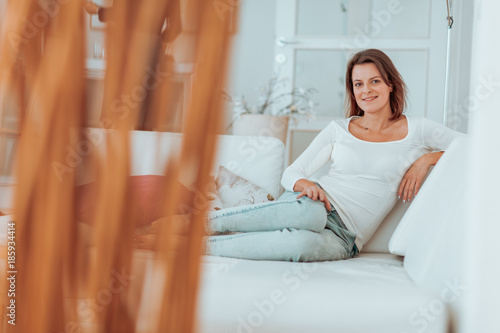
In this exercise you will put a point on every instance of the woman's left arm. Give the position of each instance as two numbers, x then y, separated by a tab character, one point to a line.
412	180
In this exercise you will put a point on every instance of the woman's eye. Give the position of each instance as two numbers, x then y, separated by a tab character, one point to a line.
357	84
375	81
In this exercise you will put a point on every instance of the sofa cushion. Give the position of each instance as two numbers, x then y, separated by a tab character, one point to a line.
260	160
431	234
370	293
257	159
379	242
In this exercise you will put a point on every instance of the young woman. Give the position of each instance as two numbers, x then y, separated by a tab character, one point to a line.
379	156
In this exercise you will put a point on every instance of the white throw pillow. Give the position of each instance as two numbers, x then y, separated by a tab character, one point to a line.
234	190
260	160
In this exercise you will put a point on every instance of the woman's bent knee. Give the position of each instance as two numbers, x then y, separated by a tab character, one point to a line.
314	217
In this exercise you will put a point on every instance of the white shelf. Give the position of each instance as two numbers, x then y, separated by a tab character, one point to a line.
96	68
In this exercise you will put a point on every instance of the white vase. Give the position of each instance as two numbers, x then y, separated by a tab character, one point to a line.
262	125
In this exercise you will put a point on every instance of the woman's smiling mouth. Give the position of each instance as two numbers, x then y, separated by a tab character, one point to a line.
369	99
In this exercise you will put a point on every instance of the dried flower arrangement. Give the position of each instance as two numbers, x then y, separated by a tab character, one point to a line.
271	102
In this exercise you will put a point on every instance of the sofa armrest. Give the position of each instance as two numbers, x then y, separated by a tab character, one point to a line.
431	234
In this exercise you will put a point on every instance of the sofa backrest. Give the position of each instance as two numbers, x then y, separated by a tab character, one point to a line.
380	240
257	159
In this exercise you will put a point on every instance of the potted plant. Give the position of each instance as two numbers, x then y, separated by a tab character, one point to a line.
270	117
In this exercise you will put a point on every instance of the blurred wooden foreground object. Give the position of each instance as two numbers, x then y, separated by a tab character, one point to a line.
43	55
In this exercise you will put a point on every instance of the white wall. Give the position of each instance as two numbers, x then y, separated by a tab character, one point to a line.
252	54
460	64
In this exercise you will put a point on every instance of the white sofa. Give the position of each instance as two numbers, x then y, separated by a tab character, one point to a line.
373	292
378	291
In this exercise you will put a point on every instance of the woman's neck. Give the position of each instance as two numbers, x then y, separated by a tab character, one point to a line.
376	122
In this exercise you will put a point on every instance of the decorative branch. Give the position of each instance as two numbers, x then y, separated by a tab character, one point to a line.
301	103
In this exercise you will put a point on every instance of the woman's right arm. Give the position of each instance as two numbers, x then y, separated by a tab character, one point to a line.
312	191
295	177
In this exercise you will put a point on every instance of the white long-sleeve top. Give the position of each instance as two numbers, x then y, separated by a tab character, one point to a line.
364	177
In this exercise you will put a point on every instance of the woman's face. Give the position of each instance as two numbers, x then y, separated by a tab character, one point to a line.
371	92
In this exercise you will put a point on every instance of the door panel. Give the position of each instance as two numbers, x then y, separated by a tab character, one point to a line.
325	71
375	18
315	38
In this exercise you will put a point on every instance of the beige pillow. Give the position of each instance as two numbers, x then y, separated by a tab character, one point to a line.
214	201
234	190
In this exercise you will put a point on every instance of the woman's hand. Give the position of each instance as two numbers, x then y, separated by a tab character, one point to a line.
312	191
410	185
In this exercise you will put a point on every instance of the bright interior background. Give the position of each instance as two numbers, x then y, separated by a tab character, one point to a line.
253	61
255	50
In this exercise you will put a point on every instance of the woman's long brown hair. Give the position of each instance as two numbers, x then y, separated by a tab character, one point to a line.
390	75
58	274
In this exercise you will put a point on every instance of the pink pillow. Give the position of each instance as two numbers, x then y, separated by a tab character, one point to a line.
146	192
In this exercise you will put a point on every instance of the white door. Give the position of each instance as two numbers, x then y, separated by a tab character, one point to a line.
315	38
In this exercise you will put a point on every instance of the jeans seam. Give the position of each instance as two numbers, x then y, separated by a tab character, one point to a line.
252	207
227	237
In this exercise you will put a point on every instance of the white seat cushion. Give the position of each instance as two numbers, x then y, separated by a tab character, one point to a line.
371	293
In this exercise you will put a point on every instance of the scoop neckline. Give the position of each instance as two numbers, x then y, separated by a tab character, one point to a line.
393	141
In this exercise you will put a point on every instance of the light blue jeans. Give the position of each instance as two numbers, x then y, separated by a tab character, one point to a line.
288	229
